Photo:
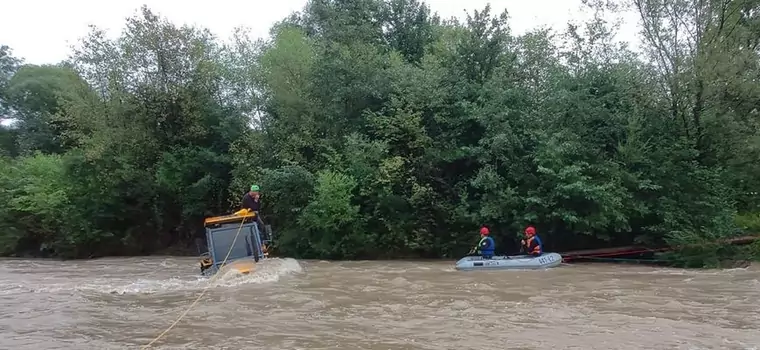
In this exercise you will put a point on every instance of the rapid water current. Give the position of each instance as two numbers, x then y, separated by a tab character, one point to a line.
125	303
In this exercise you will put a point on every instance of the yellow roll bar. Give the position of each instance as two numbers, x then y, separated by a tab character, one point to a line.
234	217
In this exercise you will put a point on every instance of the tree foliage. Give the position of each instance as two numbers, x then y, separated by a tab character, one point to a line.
376	129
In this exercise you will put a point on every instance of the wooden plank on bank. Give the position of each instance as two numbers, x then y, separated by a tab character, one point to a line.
602	251
743	239
641	249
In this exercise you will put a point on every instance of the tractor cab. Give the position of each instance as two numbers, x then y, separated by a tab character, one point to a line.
237	234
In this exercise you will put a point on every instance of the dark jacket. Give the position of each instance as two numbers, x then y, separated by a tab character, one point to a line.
249	203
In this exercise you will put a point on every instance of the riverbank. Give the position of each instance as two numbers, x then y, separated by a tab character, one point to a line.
740	256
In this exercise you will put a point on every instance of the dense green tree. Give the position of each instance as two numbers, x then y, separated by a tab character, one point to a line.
8	66
40	95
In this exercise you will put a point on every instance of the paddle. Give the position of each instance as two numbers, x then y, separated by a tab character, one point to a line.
522	251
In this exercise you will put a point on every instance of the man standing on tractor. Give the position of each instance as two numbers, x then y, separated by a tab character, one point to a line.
252	202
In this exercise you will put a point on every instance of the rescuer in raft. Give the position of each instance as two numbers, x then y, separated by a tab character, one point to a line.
532	244
486	245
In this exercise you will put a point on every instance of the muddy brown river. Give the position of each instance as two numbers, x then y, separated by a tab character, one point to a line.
289	304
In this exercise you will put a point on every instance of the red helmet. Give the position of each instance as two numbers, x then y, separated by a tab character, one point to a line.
484	230
530	230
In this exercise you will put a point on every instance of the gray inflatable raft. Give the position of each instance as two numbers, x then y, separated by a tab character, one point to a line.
513	262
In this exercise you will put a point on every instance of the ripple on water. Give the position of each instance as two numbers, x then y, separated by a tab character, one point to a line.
266	272
124	303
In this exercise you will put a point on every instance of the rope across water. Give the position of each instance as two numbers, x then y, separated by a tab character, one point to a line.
203	292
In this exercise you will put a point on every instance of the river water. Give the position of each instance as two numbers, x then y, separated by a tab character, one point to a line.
289	304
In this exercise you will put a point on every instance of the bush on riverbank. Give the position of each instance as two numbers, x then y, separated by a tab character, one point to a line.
377	129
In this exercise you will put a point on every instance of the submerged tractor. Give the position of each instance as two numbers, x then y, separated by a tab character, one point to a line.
239	235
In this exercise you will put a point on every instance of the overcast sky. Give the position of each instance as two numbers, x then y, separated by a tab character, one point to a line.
43	31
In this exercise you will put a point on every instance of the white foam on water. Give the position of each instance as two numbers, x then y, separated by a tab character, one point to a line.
168	264
267	271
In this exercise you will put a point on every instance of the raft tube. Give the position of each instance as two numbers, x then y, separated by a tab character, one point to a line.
513	262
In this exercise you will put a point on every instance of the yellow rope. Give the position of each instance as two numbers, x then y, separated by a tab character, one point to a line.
203	292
